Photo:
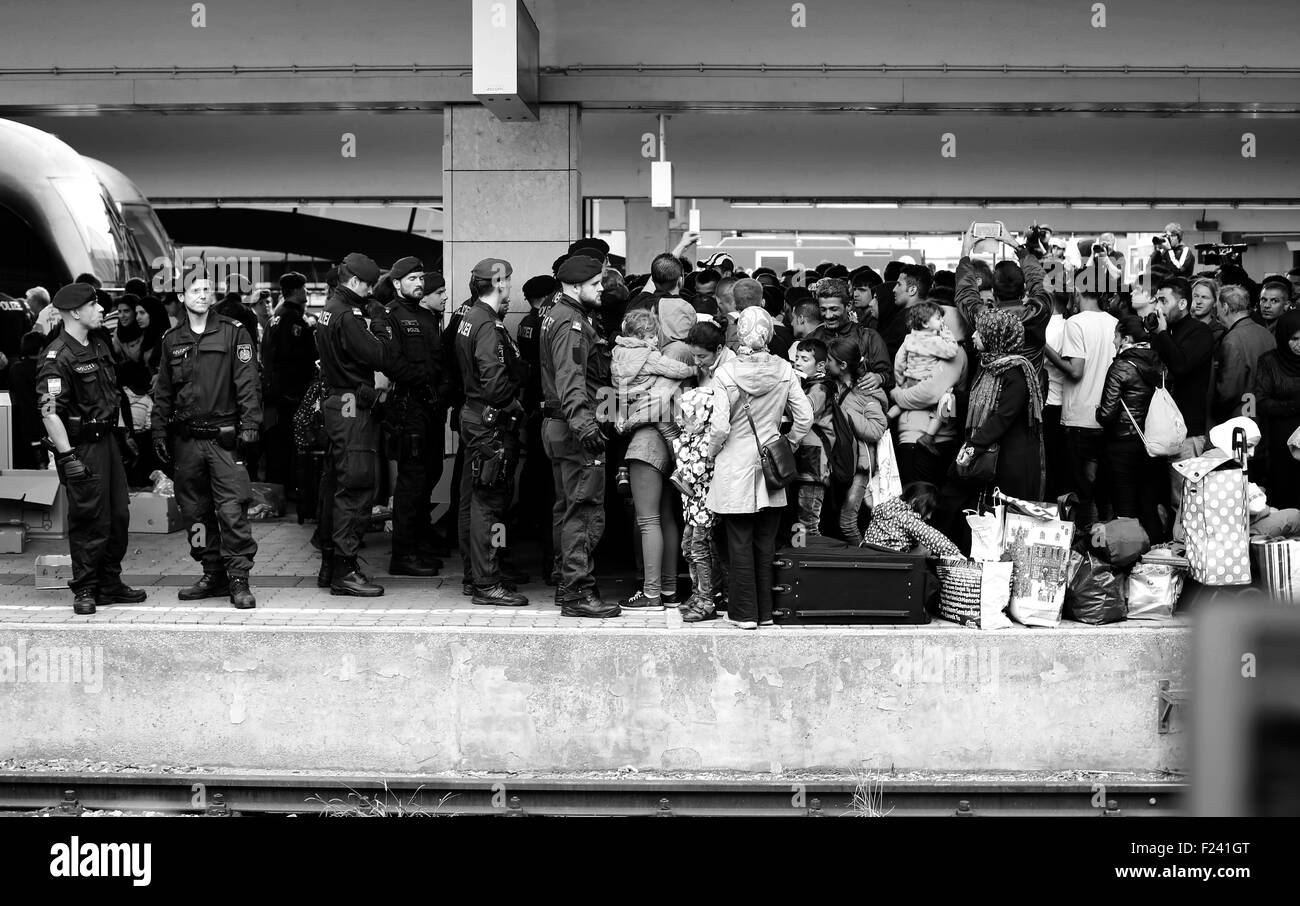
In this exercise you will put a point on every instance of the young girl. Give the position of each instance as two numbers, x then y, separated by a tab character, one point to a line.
703	416
903	523
865	411
927	346
644	378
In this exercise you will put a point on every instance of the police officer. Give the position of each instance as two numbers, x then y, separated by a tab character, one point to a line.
77	387
289	360
207	402
490	421
413	421
349	357
535	492
575	368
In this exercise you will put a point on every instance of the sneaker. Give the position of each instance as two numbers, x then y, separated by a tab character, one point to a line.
767	623
743	624
499	595
672	600
642	601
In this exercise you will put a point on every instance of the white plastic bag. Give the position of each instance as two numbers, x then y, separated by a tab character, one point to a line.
885	483
1293	444
985	534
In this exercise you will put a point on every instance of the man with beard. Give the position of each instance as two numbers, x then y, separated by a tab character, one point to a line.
833	298
410	328
207	409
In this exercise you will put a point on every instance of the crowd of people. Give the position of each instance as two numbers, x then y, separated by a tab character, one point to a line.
905	397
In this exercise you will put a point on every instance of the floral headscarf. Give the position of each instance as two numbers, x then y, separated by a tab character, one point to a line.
754	330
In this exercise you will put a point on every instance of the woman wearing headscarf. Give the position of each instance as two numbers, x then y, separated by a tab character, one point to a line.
761	387
1277	401
1006	407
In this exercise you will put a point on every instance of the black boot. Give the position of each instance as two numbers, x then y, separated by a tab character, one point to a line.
349	580
84	603
210	585
412	565
119	594
240	596
325	577
589	605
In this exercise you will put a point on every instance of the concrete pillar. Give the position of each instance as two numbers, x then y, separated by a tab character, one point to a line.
509	190
647	233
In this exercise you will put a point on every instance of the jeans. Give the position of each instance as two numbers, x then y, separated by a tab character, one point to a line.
810	497
852	505
1134	483
697	548
751	543
1085	449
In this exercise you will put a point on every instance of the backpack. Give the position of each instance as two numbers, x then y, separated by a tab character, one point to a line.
842	456
1165	428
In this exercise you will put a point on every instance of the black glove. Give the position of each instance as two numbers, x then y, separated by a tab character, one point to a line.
161	450
73	468
247	442
592	440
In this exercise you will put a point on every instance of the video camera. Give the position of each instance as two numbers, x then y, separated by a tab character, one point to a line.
1220	253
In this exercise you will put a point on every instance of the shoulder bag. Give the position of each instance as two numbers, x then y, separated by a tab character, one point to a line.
776	456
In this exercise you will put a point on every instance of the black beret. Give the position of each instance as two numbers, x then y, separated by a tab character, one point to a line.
493	269
73	296
600	246
405	267
555	265
362	267
578	269
537	287
433	281
292	282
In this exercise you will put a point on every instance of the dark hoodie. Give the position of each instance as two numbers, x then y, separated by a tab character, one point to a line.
1132	379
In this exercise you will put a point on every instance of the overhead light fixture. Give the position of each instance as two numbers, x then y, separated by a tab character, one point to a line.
771	204
859	205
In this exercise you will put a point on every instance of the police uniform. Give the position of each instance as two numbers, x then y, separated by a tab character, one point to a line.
536	494
349	357
207	401
289	360
80	383
413	422
575	368
490	422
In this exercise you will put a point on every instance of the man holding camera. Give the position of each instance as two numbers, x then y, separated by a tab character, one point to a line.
1170	255
207	406
491	418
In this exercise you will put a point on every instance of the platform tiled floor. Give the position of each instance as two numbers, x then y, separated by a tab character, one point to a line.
284	580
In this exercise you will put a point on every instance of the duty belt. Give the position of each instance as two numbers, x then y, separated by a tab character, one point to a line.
84	432
187	431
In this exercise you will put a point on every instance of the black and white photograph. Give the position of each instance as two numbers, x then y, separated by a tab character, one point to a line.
727	410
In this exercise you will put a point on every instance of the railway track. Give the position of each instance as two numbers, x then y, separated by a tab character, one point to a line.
224	795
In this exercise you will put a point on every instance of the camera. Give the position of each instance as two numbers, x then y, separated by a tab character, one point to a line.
1098	248
1037	237
1159	241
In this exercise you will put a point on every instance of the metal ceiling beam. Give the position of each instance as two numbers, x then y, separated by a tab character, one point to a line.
925	89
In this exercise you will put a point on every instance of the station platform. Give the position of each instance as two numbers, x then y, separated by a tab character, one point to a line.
421	681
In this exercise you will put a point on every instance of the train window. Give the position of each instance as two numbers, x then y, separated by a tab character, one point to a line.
100	227
25	259
148	232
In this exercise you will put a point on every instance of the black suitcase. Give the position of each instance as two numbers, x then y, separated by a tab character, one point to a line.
309	466
828	583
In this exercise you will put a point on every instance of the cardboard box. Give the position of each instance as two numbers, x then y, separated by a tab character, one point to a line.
12	539
34	498
153	514
53	571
